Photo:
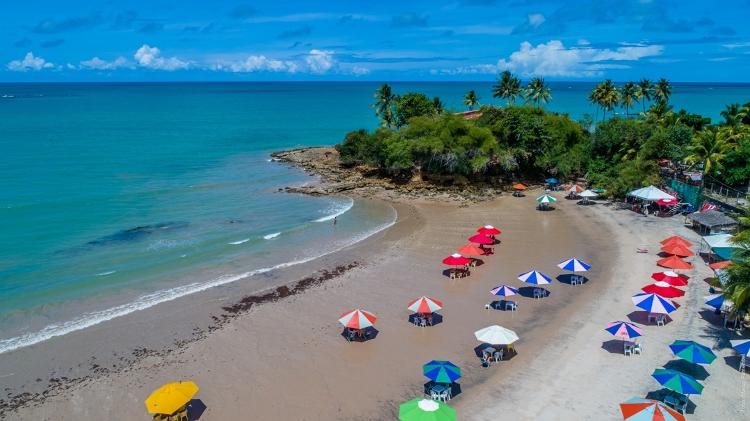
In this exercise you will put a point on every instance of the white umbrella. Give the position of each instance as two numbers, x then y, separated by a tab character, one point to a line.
588	194
650	193
496	335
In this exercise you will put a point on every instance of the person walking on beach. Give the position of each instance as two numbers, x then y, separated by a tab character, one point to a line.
334	220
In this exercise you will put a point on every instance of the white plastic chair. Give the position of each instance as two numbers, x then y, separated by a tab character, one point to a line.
661	320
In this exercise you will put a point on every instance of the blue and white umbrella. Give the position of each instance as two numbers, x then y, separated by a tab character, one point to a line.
742	346
504	291
534	277
718	301
574	265
653	303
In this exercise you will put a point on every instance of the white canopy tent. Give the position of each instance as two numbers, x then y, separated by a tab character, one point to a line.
650	193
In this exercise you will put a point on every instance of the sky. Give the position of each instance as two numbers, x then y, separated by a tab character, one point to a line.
407	40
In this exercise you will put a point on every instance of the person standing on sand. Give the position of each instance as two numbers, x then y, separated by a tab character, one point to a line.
334	220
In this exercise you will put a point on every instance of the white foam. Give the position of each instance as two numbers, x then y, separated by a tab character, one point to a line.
270	236
234	243
338	211
158	297
106	273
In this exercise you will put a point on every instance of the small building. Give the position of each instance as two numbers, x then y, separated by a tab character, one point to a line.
712	222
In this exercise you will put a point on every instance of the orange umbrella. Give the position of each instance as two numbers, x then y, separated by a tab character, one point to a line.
720	265
676	239
471	250
519	186
674	262
677	250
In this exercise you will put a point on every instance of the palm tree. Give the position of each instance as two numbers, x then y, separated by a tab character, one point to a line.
537	92
471	100
709	147
662	90
629	95
645	90
734	114
738	286
610	96
437	104
384	103
508	87
595	97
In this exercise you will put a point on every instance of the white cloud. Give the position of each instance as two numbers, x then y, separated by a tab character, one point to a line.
555	60
319	61
359	71
150	57
29	62
98	64
258	63
536	19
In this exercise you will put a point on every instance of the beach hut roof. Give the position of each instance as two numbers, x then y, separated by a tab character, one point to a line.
712	219
650	193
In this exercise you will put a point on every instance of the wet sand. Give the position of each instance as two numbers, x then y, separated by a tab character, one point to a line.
286	358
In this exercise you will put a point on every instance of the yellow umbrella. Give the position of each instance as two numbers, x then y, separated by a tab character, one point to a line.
171	397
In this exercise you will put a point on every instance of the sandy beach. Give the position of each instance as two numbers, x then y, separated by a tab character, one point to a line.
286	359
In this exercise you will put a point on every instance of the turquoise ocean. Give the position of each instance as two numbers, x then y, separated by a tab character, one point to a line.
117	197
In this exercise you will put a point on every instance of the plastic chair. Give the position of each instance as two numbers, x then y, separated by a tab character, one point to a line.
637	349
661	320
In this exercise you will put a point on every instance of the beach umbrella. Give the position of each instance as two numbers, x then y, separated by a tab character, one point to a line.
574	265
169	398
456	259
534	277
471	250
504	291
551	180
653	303
693	352
481	239
720	265
677	381
676	239
663	289
357	319
588	194
519	187
742	346
496	335
425	410
674	262
441	371
599	190
545	198
718	301
670	277
624	330
574	189
677	250
637	409
489	230
425	305
667	202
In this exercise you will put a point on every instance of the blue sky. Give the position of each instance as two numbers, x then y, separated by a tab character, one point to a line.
77	40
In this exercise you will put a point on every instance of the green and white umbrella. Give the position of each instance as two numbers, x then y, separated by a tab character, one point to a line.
425	410
545	198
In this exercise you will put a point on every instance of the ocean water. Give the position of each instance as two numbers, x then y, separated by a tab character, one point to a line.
116	197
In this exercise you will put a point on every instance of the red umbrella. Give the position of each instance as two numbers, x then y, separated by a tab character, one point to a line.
674	262
720	265
519	186
677	250
425	305
663	289
456	260
489	230
357	319
482	239
671	278
666	202
676	239
472	250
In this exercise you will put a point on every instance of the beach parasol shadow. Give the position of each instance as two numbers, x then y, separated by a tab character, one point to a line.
696	370
195	409
566	278
528	292
660	394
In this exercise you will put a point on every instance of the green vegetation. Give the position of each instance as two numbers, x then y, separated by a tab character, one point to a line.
619	153
738	286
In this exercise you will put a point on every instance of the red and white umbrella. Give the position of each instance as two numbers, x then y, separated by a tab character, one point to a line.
670	277
481	239
573	189
663	289
425	305
357	319
489	230
456	259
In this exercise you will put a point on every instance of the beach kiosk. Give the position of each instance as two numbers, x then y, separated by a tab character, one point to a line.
649	195
712	222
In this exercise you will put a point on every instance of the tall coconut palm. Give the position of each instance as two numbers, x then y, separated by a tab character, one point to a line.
645	92
595	97
471	99
537	92
709	147
437	104
508	87
734	114
384	104
663	90
610	96
628	96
